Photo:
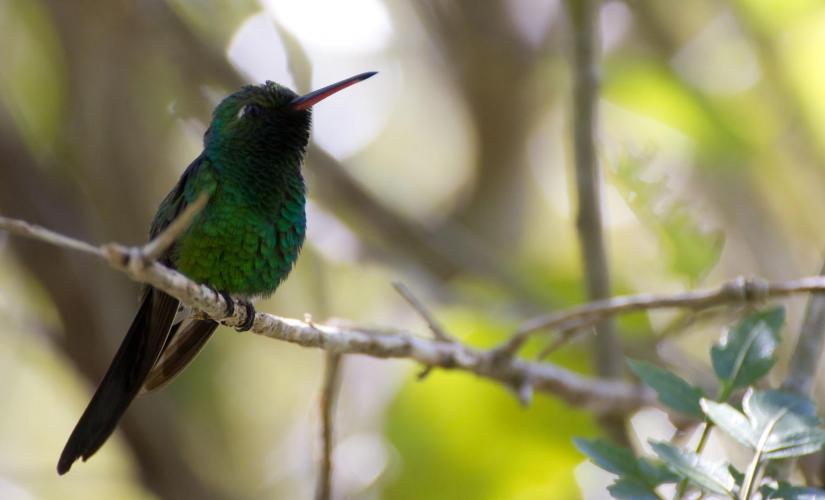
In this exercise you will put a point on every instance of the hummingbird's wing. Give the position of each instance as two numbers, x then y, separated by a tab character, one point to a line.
185	341
144	342
188	335
199	177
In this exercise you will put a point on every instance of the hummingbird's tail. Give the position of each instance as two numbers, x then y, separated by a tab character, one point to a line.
133	361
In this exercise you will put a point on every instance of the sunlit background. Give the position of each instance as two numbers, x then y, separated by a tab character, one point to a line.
449	171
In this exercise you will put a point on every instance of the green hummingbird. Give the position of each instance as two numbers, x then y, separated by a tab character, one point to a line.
243	243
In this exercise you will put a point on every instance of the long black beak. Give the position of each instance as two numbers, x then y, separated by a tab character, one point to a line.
315	96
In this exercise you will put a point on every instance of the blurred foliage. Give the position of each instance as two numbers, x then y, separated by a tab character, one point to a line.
459	437
772	425
651	88
33	74
463	137
691	250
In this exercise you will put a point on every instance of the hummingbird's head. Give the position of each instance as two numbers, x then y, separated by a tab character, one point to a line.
267	119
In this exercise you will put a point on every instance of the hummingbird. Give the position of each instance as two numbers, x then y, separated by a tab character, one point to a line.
243	243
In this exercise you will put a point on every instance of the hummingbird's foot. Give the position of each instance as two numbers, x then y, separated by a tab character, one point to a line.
250	316
230	304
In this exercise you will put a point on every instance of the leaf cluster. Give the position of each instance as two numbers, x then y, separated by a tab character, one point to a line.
772	424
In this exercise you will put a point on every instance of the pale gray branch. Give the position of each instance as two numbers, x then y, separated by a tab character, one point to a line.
805	358
599	396
802	370
737	291
23	228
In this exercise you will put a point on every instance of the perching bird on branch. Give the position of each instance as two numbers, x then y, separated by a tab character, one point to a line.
243	243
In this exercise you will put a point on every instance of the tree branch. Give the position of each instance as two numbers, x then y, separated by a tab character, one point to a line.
438	331
802	370
329	395
808	350
607	349
742	290
598	396
737	291
583	16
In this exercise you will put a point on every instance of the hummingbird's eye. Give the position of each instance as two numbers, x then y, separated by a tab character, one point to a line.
249	111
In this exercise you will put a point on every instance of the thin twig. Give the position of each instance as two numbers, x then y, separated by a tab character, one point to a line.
156	248
750	477
805	358
23	228
802	368
565	336
737	291
598	396
438	331
329	396
681	488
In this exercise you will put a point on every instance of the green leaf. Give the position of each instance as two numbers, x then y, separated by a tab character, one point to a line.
785	491
655	472
738	477
609	456
672	390
711	477
763	406
795	427
746	353
632	488
794	445
731	421
789	419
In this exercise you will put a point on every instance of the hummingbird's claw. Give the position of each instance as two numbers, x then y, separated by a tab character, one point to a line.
230	303
250	317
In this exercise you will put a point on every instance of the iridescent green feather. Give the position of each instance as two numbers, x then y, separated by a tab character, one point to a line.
247	238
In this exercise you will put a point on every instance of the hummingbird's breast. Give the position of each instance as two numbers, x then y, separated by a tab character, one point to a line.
248	237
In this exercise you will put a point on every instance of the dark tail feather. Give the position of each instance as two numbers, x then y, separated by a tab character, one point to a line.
133	361
180	350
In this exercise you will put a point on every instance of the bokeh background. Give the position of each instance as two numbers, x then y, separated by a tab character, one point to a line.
450	171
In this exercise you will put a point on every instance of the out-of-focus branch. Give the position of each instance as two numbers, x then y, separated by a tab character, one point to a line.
802	369
445	252
435	327
599	396
741	290
504	105
329	396
342	193
805	358
738	291
583	16
588	180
